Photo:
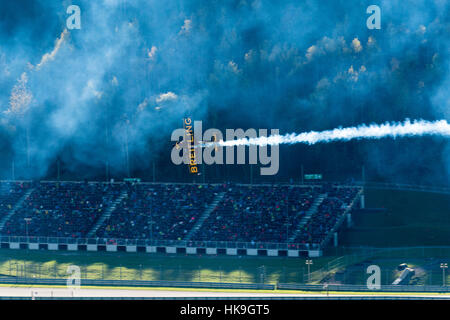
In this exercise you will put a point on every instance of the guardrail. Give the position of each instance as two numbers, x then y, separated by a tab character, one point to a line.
362	288
139	283
403	186
219	285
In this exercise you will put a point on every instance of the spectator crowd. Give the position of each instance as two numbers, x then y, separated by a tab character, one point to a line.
61	209
257	213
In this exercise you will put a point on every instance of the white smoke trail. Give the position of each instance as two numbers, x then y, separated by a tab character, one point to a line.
21	97
50	56
373	131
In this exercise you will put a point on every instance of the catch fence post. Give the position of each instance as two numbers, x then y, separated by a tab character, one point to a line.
240	274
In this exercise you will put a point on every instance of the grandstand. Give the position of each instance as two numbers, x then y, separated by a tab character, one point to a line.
135	233
231	219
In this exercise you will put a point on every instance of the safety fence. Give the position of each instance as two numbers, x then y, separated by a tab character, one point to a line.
125	267
153	271
218	285
136	283
355	255
363	288
404	187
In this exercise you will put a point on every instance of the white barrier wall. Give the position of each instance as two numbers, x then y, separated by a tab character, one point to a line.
150	249
111	248
293	253
191	250
314	253
171	250
131	248
72	247
153	249
91	247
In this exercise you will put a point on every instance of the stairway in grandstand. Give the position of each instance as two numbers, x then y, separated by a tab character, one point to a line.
205	215
18	204
341	220
312	210
107	214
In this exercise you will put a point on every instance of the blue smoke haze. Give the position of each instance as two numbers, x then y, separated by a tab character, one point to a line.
137	67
